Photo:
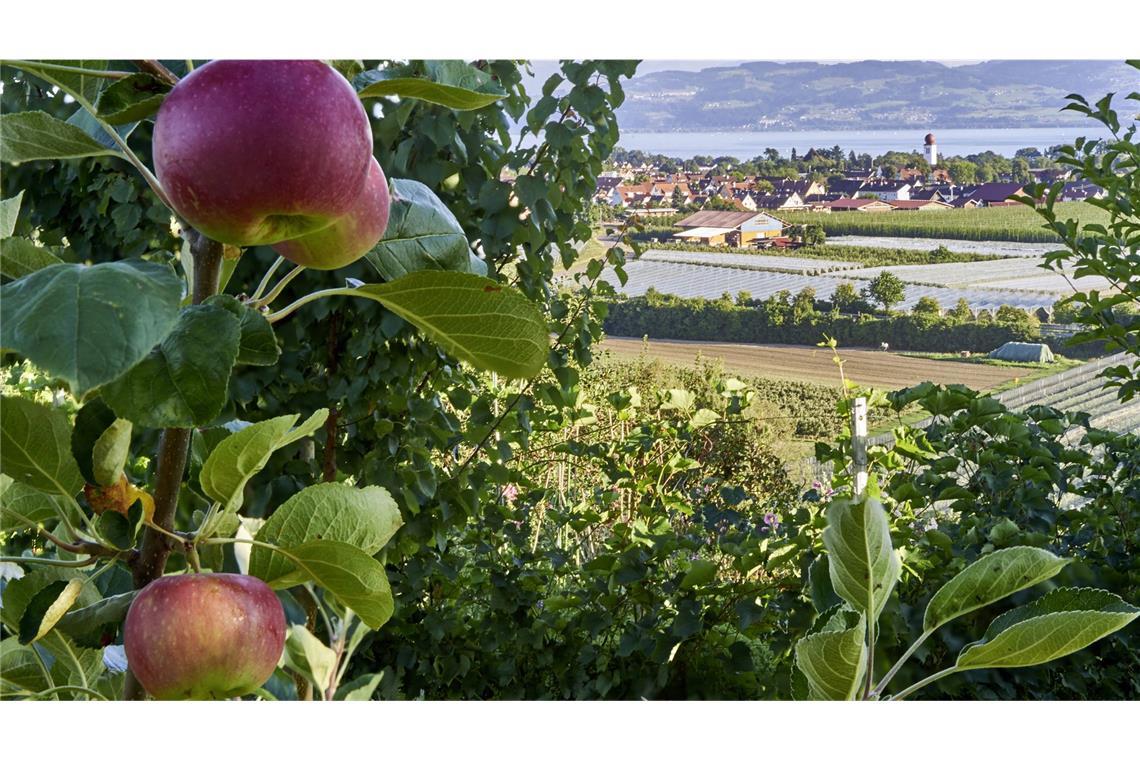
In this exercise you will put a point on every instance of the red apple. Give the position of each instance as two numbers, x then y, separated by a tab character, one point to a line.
255	152
348	238
204	636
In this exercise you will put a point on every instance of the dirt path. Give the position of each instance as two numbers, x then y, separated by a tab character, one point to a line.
879	369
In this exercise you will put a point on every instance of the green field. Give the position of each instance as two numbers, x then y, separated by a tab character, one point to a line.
1018	224
862	254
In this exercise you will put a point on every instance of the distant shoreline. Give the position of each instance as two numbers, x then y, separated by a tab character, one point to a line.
745	144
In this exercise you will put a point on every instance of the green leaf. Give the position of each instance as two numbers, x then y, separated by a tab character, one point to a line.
359	689
482	322
20	667
45	609
701	572
184	382
353	577
834	660
20	256
74	665
991	578
18	500
9	212
81	86
87	624
452	84
88	325
239	457
308	655
109	455
1057	624
823	596
35	135
363	517
863	565
35	447
131	99
91	422
422	233
258	342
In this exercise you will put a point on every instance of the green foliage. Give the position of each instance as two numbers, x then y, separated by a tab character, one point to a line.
868	255
1002	480
422	233
36	135
183	381
672	317
452	84
342	361
57	318
1102	240
886	290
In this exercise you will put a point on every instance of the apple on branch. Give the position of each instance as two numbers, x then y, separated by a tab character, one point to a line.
204	636
349	237
256	152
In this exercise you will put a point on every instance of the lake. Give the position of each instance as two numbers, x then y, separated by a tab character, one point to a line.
745	145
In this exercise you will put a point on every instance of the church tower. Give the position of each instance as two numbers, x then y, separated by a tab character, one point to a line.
930	150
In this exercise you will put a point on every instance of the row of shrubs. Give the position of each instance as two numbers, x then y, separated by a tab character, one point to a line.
672	317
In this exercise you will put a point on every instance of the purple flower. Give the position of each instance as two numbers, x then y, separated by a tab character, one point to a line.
772	520
510	493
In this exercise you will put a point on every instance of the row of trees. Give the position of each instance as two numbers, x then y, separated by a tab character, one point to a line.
820	164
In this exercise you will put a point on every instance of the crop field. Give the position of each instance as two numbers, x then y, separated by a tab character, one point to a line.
878	369
1012	223
850	250
1002	274
965	250
786	264
704	281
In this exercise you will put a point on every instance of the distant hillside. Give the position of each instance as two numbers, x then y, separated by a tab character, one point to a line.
867	95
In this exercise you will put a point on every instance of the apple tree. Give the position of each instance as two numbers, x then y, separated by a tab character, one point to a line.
171	378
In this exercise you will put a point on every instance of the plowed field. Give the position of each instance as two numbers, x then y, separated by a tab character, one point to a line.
878	369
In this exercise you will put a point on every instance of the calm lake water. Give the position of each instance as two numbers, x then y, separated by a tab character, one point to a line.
951	142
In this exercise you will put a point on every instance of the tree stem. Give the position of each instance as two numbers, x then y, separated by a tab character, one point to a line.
924	682
173	448
157	70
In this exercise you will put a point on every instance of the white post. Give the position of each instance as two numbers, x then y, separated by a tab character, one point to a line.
859	444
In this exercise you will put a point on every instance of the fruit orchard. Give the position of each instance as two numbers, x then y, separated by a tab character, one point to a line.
294	409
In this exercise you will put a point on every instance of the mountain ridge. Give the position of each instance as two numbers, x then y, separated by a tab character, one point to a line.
873	94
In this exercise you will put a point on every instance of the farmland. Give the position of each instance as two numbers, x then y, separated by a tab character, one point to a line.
878	369
1000	274
1007	223
870	255
691	280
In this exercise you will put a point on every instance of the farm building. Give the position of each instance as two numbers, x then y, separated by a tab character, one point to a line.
1023	352
996	193
734	228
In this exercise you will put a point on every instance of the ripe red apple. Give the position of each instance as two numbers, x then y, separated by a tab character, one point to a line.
349	237
204	636
255	152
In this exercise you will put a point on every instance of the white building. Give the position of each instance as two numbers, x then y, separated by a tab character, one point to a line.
930	149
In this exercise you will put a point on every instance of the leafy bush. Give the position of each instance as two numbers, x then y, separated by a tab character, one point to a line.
672	317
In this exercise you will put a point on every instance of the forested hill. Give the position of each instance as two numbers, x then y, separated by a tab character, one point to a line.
867	95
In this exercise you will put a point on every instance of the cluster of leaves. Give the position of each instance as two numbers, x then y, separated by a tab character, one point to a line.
1108	247
775	321
977	479
635	552
189	362
868	255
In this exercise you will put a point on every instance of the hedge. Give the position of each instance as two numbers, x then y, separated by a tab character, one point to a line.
671	317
